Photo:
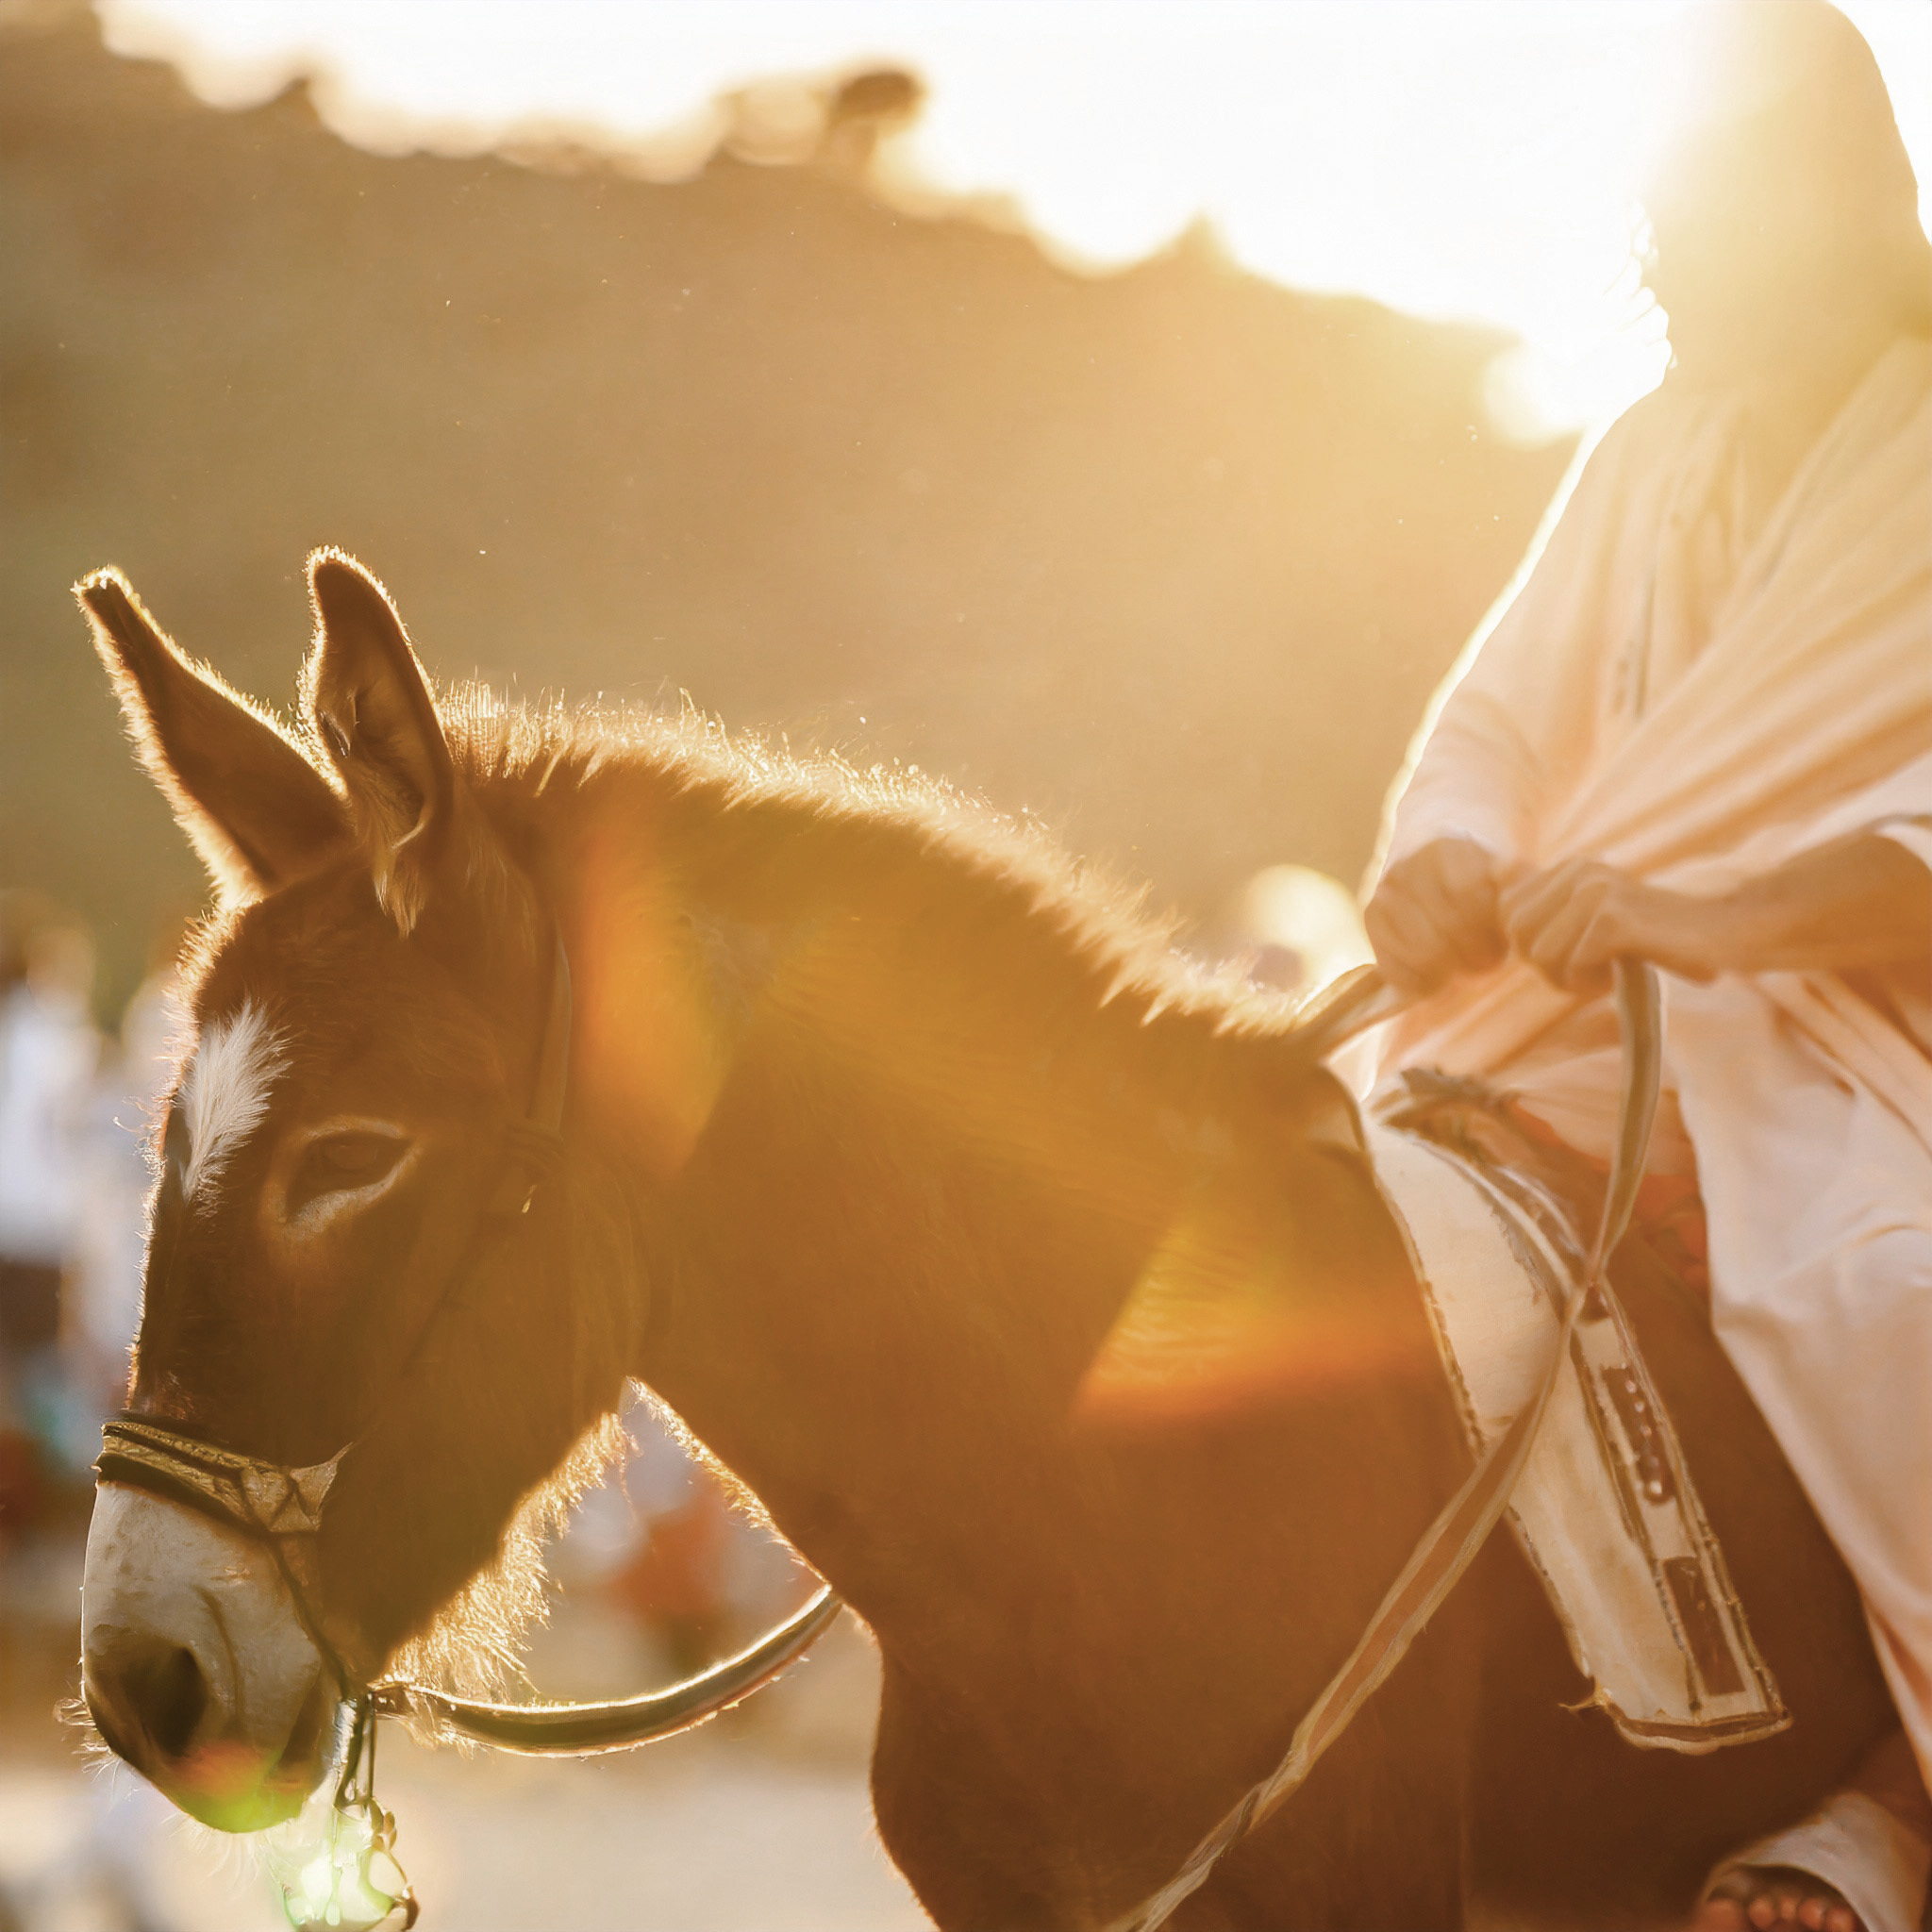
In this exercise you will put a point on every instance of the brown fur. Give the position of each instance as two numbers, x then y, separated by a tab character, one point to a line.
880	1110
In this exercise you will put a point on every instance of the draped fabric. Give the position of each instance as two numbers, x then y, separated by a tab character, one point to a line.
1695	688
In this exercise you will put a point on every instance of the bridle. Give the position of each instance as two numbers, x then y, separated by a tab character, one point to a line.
282	1508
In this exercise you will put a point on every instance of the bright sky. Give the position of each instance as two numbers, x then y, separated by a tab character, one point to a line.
1463	158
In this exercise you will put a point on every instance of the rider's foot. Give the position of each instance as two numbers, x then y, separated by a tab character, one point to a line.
1753	1897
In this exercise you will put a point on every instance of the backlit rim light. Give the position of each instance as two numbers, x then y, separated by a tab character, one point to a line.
1455	159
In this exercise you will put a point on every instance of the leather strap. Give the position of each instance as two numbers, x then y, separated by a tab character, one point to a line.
582	1730
1451	1542
262	1498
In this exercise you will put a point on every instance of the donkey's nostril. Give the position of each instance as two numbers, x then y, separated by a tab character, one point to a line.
168	1695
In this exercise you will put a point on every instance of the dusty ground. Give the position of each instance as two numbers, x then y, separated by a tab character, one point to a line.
702	1836
758	1824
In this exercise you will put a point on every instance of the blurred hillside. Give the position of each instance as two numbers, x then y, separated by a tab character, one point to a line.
1172	557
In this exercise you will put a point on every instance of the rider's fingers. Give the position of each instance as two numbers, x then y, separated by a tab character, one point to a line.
1605	938
1536	890
1587	929
1548	944
1465	870
1434	916
1530	909
1527	919
1533	900
1463	919
1411	948
1478	946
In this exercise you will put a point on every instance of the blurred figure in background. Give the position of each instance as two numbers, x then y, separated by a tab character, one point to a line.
48	1054
1701	734
1293	929
673	1578
661	1544
74	1178
102	1309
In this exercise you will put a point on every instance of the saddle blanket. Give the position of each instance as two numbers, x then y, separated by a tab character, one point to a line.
1605	1508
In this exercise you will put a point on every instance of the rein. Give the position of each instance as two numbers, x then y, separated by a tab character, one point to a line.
1450	1544
282	1508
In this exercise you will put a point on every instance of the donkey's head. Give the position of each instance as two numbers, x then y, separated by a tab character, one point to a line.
353	1247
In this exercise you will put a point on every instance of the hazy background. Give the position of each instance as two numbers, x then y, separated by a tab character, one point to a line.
856	408
1170	555
1129	422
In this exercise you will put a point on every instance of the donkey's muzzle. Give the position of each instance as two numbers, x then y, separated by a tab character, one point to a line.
197	1668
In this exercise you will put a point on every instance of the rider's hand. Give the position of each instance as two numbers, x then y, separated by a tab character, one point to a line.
1435	915
1572	921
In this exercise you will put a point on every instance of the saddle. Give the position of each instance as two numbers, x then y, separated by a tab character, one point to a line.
1605	1509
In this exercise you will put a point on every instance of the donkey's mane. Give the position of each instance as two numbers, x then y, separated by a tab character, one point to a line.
515	754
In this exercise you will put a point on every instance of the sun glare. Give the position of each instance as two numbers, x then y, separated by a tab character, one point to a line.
1474	160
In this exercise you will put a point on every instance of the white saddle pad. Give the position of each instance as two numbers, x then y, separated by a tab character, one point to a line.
1605	1508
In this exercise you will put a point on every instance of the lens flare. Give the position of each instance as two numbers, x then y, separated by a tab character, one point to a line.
351	1880
338	1868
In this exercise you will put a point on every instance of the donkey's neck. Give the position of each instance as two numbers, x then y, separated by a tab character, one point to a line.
907	1124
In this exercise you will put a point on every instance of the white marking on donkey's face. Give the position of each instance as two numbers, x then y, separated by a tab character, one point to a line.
225	1091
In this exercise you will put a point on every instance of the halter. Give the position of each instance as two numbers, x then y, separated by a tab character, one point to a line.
282	1506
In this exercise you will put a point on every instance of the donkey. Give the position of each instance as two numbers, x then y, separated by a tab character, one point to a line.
880	1110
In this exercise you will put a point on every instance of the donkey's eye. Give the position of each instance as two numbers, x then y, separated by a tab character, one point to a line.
357	1155
339	1163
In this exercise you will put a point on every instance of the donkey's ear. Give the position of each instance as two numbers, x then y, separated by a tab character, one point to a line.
374	713
257	811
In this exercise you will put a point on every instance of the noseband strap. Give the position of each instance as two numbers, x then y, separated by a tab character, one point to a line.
263	1498
282	1508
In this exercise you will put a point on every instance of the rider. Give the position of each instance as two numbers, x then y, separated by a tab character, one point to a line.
1701	732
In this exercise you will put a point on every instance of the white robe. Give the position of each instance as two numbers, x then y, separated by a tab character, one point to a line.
1696	701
